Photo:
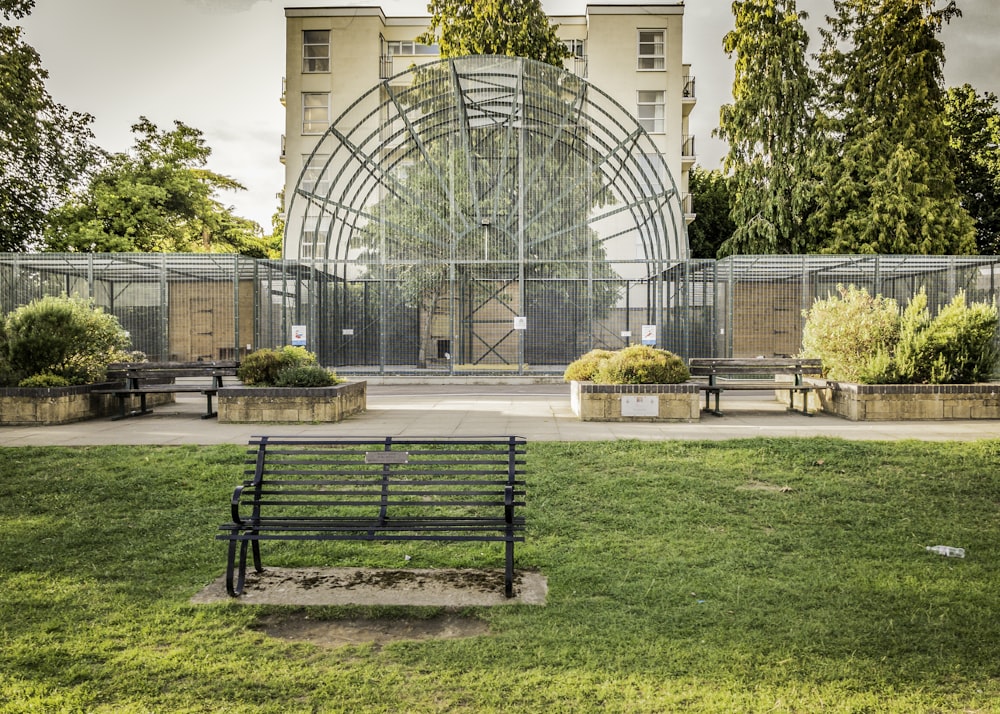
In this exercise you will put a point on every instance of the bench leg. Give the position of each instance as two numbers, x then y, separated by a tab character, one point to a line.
508	581
708	395
122	412
209	413
236	589
805	400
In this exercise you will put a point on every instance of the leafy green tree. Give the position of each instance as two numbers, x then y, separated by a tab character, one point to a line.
516	28
44	147
886	174
768	127
158	197
974	124
710	203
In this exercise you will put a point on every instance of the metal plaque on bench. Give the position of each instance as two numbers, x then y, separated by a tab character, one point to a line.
387	457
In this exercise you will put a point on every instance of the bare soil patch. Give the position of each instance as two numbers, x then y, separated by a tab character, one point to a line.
439	587
298	626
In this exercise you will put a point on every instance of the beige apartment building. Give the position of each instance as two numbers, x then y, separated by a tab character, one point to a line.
335	54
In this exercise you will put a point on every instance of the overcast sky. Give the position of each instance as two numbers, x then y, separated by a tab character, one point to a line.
217	65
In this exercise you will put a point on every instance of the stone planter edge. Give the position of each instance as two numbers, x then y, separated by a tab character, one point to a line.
605	402
51	406
910	402
290	405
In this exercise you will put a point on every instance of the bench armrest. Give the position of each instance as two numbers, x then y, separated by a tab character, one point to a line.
235	505
508	504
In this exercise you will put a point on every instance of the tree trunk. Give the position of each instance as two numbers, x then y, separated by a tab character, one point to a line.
426	317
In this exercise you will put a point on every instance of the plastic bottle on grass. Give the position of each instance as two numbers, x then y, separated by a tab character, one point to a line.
947	550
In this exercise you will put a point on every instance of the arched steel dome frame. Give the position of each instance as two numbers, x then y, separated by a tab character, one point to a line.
377	138
493	168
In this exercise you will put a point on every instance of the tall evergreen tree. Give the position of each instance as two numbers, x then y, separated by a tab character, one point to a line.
887	175
974	124
710	201
768	127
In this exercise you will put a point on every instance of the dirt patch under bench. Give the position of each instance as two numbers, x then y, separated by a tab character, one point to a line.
444	587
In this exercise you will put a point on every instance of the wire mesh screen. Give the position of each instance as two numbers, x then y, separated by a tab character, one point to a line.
762	299
530	316
527	316
175	307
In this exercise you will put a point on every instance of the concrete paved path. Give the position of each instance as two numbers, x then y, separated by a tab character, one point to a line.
539	412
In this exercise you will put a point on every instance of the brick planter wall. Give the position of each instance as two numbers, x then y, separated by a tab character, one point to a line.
905	402
250	405
635	402
48	406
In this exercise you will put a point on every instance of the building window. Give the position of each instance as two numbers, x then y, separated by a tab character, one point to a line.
315	112
577	48
314	237
316	51
314	180
650	111
652	50
409	48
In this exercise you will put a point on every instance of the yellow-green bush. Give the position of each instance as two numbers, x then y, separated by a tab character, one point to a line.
284	367
584	369
862	338
638	364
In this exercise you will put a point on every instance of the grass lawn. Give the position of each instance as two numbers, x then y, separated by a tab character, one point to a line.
763	575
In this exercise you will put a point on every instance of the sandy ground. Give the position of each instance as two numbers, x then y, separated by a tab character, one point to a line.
451	589
377	586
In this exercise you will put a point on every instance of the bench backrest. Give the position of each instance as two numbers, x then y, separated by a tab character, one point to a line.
158	370
702	366
370	478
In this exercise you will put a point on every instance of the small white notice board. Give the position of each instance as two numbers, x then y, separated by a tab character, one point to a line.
635	405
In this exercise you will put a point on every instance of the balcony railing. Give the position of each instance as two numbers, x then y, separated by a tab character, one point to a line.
689	87
687	148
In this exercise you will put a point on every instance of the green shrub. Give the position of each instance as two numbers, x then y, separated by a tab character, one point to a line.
263	367
864	339
853	334
955	347
306	376
260	367
641	364
44	380
584	369
62	336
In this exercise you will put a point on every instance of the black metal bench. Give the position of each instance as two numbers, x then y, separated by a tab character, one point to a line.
737	373
142	378
377	489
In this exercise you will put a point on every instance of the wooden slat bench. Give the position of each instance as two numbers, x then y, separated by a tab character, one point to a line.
141	378
377	489
737	373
